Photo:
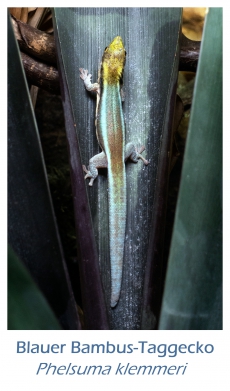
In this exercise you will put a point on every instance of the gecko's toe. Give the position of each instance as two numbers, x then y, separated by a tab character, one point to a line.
141	149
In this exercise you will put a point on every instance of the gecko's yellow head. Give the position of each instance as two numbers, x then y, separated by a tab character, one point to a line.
113	61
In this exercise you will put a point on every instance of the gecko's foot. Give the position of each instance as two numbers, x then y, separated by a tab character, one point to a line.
139	156
86	77
88	175
146	162
84	74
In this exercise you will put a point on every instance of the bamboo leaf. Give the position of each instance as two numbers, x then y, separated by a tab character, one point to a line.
151	40
193	289
94	309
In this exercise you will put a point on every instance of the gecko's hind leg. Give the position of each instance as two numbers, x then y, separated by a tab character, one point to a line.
134	153
97	161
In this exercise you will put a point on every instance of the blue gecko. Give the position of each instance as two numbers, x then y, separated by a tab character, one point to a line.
110	129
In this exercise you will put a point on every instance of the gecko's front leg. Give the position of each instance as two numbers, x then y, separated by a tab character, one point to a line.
86	77
99	160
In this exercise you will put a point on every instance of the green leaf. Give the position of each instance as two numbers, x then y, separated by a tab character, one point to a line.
193	289
27	307
151	38
95	316
32	230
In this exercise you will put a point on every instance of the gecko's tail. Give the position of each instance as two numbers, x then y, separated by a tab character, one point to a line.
117	225
114	303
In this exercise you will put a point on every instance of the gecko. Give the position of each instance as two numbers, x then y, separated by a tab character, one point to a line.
110	130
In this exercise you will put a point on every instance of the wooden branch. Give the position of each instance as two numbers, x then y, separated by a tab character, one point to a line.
41	45
34	42
40	74
189	54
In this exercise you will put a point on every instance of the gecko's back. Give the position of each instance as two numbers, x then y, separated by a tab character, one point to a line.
111	136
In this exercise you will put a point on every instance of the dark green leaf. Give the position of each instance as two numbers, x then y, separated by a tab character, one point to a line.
151	40
95	316
32	230
193	290
27	307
